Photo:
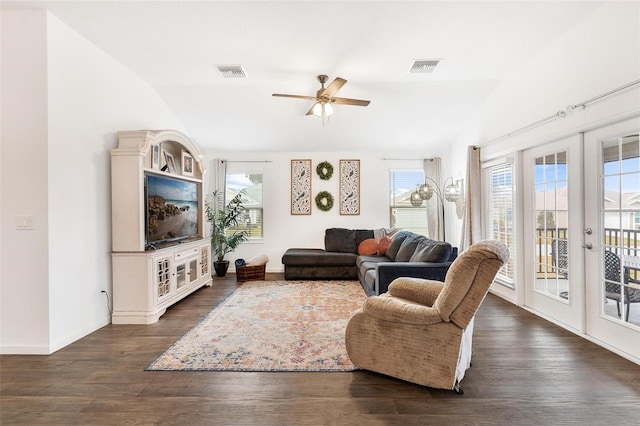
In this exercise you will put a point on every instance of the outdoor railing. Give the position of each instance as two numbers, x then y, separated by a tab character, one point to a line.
621	242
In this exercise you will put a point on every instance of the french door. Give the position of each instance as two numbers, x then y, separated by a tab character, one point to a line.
612	212
581	199
553	229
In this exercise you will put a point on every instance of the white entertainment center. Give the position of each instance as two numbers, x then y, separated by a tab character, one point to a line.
150	276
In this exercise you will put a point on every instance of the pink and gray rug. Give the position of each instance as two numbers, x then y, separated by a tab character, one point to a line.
271	326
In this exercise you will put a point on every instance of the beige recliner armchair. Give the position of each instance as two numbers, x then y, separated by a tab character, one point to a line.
420	330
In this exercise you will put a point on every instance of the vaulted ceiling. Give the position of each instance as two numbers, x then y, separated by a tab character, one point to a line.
283	46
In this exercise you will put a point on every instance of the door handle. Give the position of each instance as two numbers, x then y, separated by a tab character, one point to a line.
587	246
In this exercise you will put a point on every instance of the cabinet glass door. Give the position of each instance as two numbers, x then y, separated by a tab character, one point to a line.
193	270
181	275
163	277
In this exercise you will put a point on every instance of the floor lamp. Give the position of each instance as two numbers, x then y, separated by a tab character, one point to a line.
425	192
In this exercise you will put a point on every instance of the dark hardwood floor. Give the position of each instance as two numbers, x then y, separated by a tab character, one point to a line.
525	371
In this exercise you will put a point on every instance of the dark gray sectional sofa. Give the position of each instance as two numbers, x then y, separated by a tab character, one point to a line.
408	255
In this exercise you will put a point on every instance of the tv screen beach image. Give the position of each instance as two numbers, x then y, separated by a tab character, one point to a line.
172	208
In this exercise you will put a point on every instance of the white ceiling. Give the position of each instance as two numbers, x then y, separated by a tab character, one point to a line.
283	46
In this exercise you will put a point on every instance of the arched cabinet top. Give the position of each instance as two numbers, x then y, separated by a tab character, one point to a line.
172	142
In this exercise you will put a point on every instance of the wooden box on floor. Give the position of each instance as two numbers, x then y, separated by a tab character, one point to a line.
250	273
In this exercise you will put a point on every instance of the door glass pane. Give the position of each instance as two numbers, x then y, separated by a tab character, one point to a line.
539	200
562	167
551	213
620	219
611	200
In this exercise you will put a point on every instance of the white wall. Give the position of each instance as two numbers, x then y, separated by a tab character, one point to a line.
64	134
24	292
597	55
283	230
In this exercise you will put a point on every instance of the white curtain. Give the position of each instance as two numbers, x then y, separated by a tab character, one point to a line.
435	213
472	220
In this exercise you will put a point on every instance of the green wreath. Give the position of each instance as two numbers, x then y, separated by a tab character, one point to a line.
324	170
324	201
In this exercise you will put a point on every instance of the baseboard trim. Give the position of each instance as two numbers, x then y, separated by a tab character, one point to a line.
600	343
24	350
49	349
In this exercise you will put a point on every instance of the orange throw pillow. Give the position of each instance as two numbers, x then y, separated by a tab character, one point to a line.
384	245
368	247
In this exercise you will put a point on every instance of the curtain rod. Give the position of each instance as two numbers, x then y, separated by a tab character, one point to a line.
406	159
561	113
248	161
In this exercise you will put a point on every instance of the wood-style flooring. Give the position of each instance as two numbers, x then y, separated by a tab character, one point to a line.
526	371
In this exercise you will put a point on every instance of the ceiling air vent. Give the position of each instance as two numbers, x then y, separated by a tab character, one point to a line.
232	71
425	66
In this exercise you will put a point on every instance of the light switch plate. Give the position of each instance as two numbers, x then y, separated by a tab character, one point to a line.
24	223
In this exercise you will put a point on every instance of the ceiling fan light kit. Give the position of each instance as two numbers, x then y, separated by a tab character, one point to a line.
322	109
324	98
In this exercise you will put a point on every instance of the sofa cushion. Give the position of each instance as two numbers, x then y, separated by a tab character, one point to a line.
366	266
407	248
374	259
317	257
431	251
370	282
340	240
396	242
370	264
363	234
368	247
383	245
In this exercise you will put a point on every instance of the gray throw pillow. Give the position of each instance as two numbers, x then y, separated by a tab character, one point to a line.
431	251
407	248
396	242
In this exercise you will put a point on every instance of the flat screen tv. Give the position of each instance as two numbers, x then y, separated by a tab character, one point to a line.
172	209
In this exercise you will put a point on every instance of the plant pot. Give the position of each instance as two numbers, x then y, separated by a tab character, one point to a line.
221	267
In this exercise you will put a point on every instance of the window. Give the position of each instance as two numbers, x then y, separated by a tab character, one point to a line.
251	184
500	221
402	214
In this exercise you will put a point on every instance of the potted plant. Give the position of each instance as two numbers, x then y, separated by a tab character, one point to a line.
222	219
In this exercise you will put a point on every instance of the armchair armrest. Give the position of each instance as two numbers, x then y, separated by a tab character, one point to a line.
386	272
400	311
417	290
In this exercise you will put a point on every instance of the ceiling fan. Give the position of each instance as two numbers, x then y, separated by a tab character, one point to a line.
325	97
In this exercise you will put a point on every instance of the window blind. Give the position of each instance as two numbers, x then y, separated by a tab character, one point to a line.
500	223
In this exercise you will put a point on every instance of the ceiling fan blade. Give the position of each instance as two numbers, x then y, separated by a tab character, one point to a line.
310	112
333	88
309	98
347	101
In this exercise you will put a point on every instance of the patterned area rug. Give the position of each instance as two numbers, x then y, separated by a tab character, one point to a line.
271	326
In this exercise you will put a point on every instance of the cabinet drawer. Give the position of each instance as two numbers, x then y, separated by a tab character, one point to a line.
186	253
